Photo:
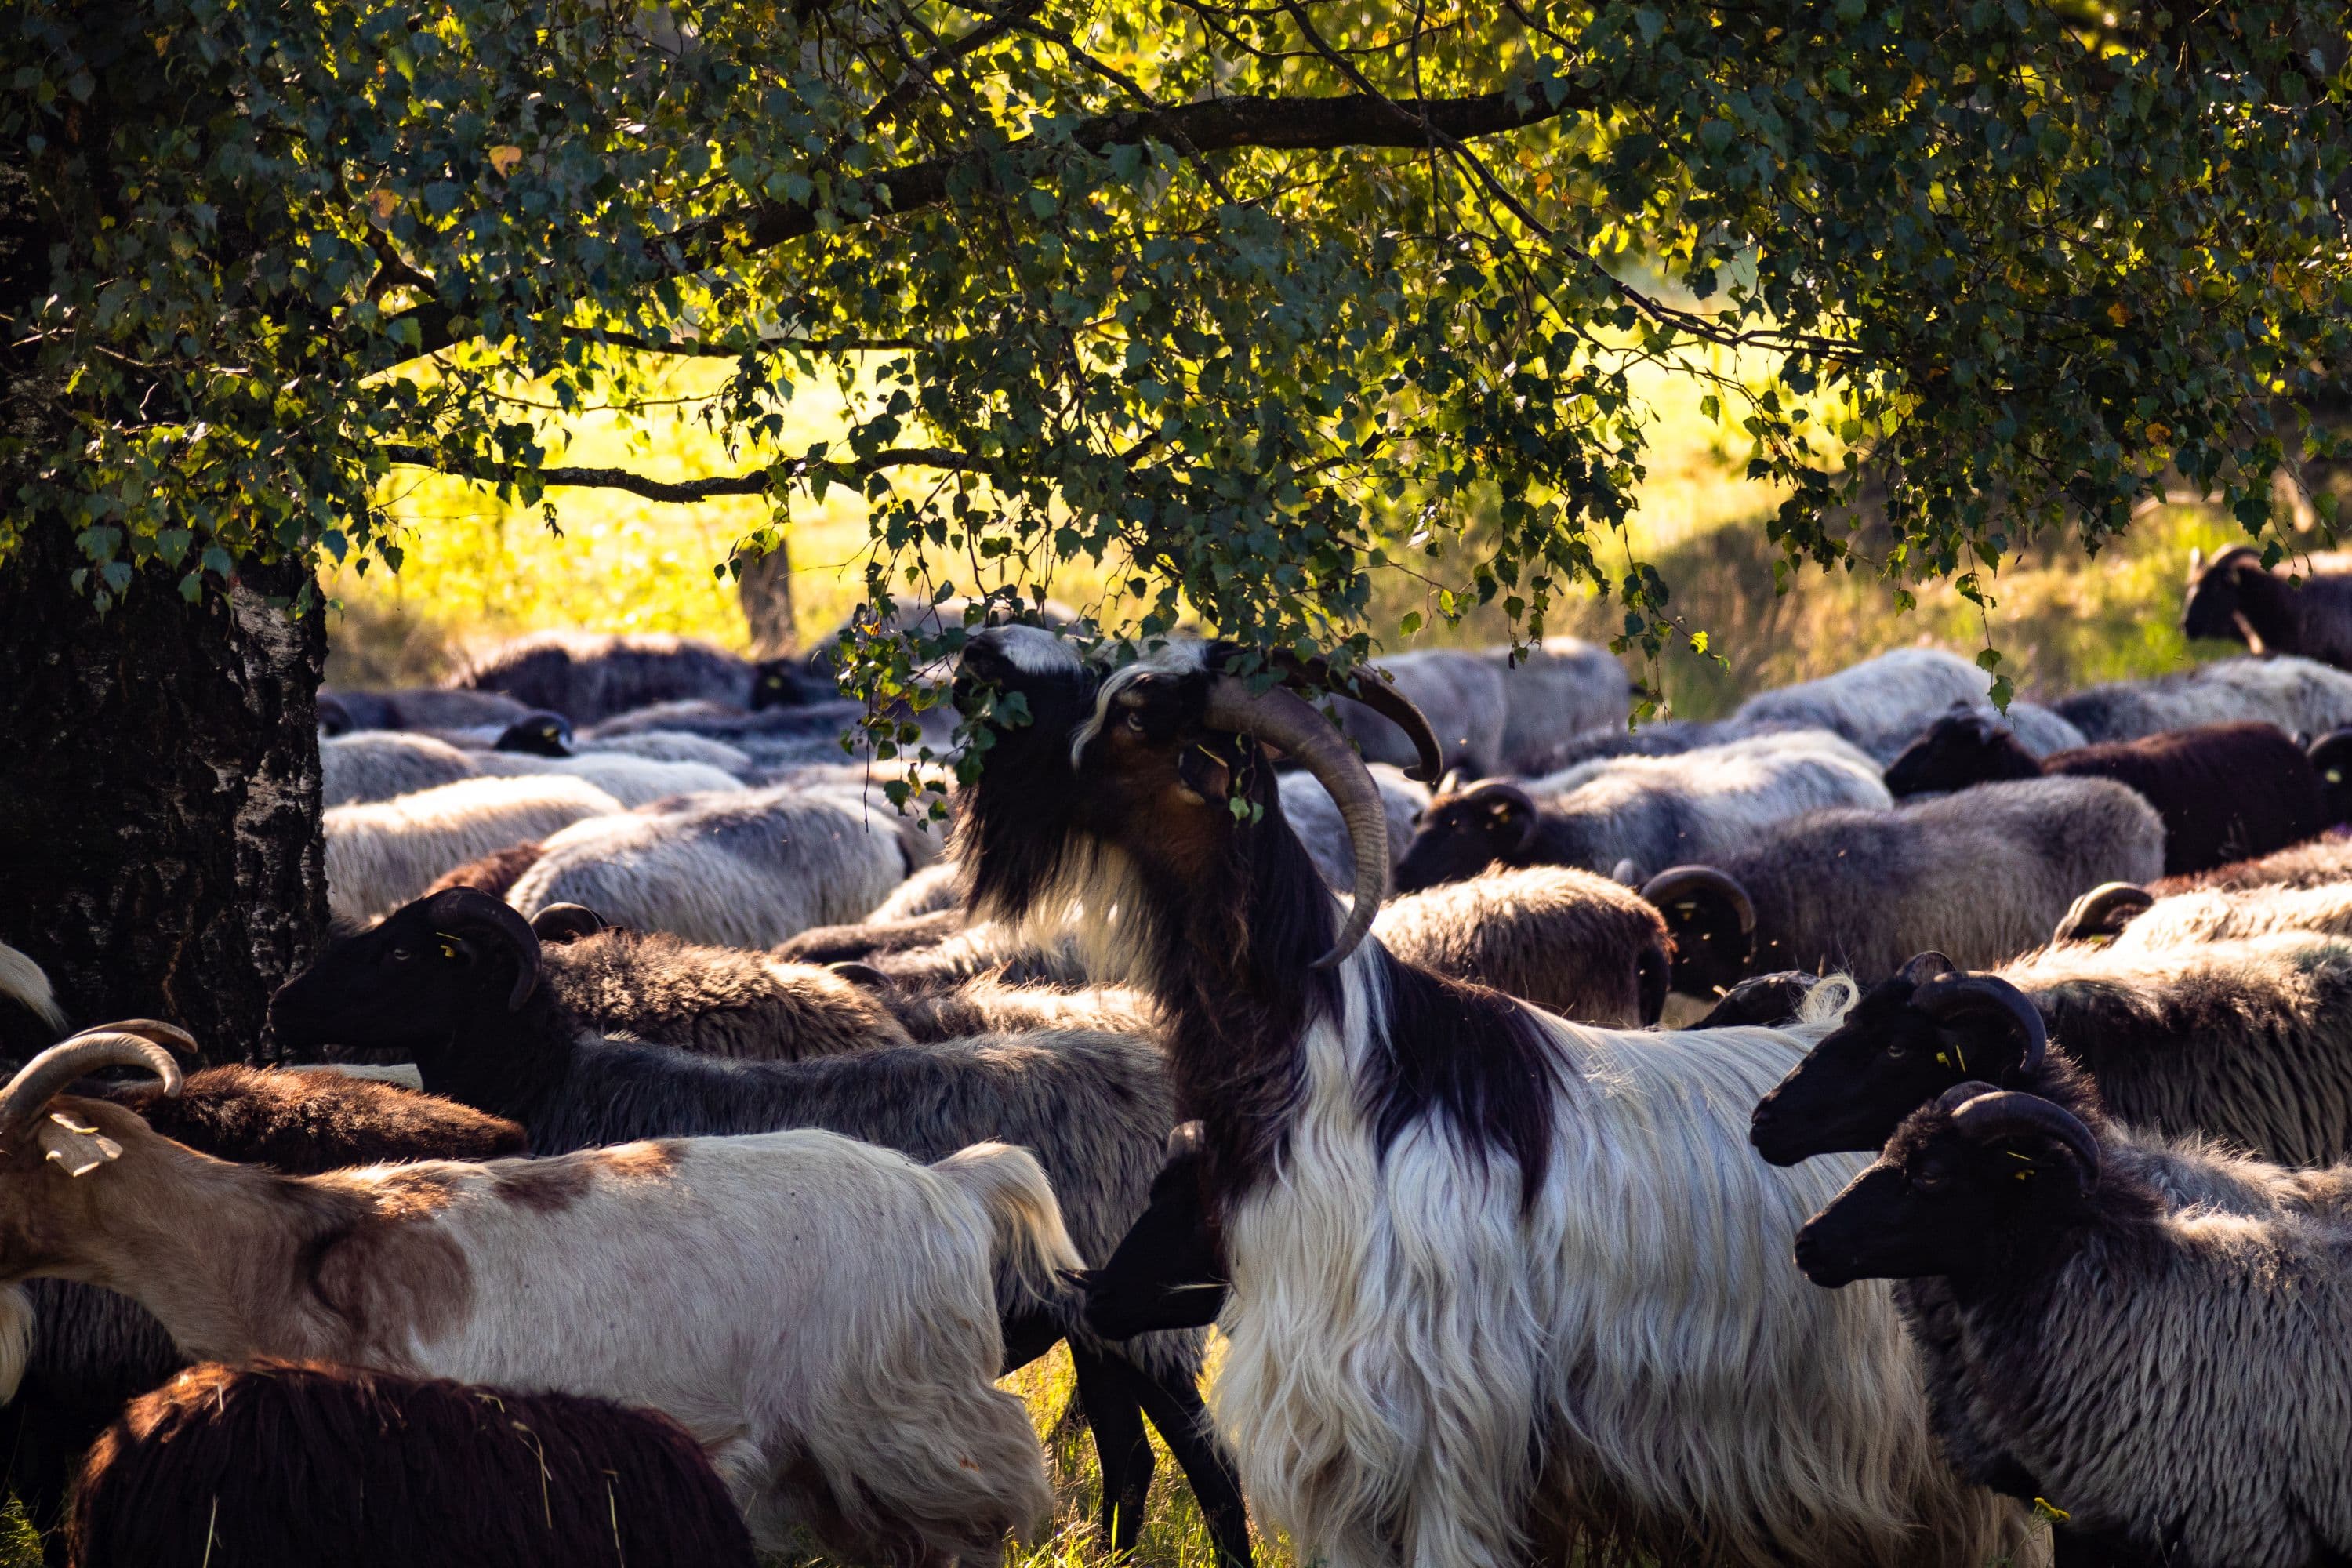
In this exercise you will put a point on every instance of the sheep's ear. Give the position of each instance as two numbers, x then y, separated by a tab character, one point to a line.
79	1150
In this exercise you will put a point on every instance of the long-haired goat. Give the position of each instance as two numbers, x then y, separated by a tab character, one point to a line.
455	982
281	1462
2151	1371
814	1309
1465	1236
2225	791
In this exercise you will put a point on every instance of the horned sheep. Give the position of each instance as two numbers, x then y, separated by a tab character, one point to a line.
456	984
412	1269
2149	1372
1454	1224
284	1462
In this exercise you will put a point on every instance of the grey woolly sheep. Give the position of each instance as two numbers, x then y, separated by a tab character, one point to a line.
1461	694
743	869
379	765
2299	696
382	854
1982	873
1655	812
2149	1371
926	892
1569	941
1881	703
1561	687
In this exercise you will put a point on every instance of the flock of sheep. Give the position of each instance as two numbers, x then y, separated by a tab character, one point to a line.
688	1144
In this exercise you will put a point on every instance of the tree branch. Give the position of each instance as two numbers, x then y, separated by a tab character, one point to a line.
1221	124
689	492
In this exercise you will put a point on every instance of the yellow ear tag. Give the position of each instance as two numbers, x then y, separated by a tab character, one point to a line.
447	950
1943	1061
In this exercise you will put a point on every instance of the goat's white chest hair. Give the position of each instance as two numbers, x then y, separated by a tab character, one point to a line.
1411	1349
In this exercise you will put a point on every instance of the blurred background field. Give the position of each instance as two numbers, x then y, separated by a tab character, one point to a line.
476	571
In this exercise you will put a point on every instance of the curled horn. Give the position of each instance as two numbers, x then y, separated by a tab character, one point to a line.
2006	1112
1284	719
1370	687
2104	911
112	1046
459	911
1959	1094
1952	997
566	922
1676	882
1922	967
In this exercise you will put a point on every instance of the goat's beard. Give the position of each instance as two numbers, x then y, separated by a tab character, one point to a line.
1096	900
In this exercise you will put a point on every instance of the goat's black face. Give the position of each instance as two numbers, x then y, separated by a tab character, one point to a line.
1942	1202
1462	835
1959	750
407	985
1884	1062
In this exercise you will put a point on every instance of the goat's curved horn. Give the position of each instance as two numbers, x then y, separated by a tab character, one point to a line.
87	1052
1952	995
2105	911
1286	719
1370	687
2006	1112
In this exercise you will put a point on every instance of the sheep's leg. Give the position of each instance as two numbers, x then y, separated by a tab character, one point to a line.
1173	1403
1122	1447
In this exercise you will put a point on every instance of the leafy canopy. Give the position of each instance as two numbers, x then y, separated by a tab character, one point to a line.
1246	298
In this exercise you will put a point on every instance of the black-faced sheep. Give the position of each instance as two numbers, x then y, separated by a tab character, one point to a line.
2226	791
2152	1374
1653	812
1569	941
588	678
734	1283
2234	595
281	1462
455	983
1463	1234
2299	696
744	869
2249	1041
2132	919
1983	875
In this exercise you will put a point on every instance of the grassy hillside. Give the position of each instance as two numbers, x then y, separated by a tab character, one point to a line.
476	570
